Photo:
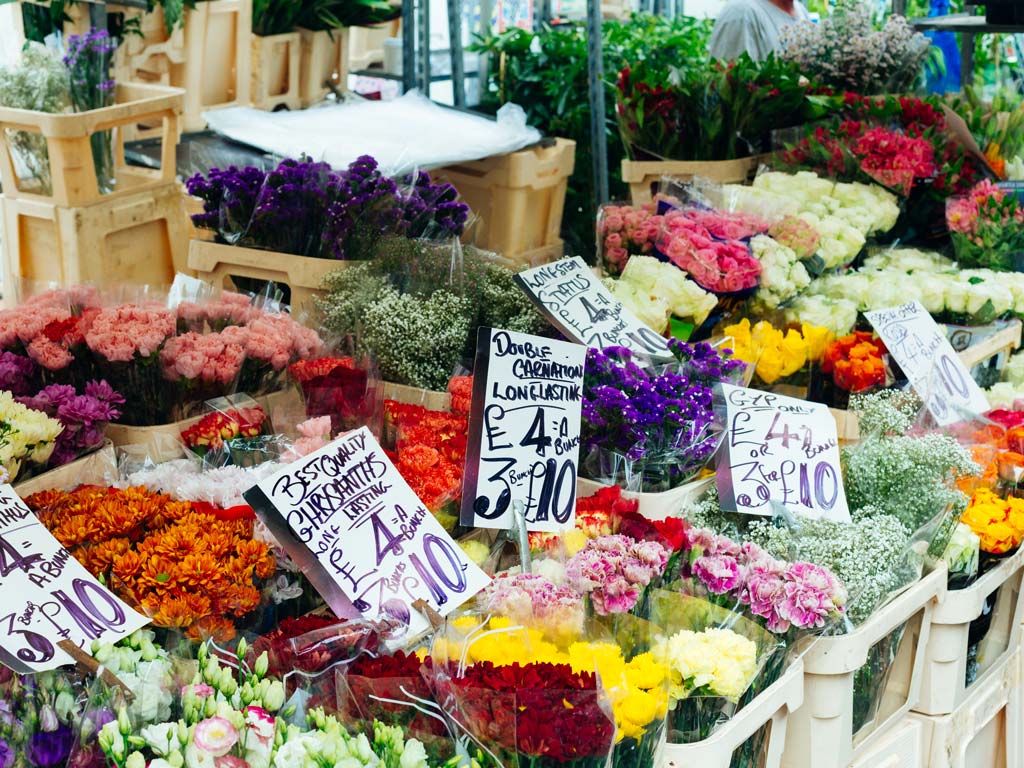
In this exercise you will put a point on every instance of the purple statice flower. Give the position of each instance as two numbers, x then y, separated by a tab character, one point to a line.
229	197
433	210
16	372
290	210
368	207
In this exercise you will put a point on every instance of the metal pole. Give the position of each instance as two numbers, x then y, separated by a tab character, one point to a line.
595	67
542	14
455	46
408	45
424	46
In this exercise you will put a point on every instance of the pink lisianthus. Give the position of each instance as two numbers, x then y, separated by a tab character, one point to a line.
215	736
261	726
202	690
229	761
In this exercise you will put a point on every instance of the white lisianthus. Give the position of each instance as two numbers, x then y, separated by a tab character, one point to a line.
652	311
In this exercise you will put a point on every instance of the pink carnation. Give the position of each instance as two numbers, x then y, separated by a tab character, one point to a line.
208	357
119	334
719	573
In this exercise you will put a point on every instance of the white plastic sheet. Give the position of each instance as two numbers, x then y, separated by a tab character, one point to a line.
406	134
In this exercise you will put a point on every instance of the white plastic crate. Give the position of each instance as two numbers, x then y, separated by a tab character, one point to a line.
772	709
821	733
943	684
904	746
654	506
985	730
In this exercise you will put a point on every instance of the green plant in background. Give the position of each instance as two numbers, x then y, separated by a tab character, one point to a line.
546	73
335	14
42	20
275	17
997	126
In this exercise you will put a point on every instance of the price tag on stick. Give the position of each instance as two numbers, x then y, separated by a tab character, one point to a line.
779	450
524	431
47	597
924	353
578	305
361	535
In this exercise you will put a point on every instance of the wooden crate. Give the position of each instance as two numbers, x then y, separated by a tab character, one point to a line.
275	71
72	172
643	177
367	43
323	59
1002	342
210	57
519	197
218	263
138	238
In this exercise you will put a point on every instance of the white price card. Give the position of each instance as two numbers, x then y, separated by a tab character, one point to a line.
576	303
779	450
934	370
46	596
524	431
361	535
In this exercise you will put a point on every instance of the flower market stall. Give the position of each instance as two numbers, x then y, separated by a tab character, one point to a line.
405	469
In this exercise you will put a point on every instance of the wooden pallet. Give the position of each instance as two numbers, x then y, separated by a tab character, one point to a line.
323	60
275	71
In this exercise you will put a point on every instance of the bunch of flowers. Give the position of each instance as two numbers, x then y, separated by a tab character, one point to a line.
460	388
40	712
997	127
89	59
846	51
188	569
773	354
655	292
271	342
28	437
615	571
987	228
217	429
200	367
597	515
795	234
337	388
343	215
718	265
624	231
783	274
82	416
661	423
839	316
855	362
999	523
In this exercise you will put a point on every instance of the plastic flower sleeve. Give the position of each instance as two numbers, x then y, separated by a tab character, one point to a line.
233	430
41	712
345	389
714	656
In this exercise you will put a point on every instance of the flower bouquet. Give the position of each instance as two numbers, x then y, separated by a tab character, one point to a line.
199	367
661	296
337	387
780	360
271	343
624	231
230	433
987	228
28	438
720	265
83	416
852	364
40	712
648	430
89	59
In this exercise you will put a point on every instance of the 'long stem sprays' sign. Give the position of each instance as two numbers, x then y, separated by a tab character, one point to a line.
524	431
922	350
361	535
578	305
46	596
779	450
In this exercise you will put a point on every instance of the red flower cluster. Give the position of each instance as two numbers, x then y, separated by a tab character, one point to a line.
544	712
855	362
461	390
385	688
335	387
430	451
214	429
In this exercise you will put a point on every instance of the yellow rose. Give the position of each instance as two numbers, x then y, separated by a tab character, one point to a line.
817	338
794	353
770	365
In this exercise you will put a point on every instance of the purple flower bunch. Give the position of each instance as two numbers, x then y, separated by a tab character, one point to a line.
784	595
703	364
83	416
88	59
661	420
309	209
17	374
615	571
36	717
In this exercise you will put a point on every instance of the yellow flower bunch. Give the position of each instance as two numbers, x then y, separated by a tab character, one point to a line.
28	435
718	660
774	354
998	523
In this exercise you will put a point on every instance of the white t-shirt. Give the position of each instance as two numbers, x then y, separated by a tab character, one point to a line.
752	26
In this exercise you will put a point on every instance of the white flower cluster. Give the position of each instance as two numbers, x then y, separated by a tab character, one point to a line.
25	435
186	480
783	275
654	291
845	51
146	671
1007	392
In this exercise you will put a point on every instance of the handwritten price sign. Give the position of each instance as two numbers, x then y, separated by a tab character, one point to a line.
576	303
524	432
47	596
362	536
924	353
783	450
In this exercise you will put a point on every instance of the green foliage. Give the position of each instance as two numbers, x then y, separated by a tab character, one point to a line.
335	14
546	74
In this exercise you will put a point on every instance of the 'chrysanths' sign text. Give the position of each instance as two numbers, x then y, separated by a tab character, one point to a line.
46	596
362	536
924	353
779	449
580	307
524	432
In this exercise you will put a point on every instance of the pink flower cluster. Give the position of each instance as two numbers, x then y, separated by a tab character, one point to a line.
526	598
615	570
720	266
895	159
982	206
210	357
728	225
124	333
227	309
623	230
793	232
798	595
275	340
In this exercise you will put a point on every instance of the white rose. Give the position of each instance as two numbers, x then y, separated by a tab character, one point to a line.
414	755
957	296
932	292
